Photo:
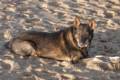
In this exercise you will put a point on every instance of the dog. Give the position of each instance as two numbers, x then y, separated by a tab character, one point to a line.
69	44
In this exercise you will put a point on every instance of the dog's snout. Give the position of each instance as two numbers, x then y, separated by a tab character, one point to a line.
81	45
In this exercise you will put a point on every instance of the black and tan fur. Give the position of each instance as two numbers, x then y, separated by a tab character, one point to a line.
70	44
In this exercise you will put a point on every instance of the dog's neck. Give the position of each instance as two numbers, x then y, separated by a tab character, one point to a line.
70	40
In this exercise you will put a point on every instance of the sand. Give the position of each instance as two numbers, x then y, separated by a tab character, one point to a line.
53	15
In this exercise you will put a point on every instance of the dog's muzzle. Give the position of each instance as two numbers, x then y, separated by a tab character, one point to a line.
80	45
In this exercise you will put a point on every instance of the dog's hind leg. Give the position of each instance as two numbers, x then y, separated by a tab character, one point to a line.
23	48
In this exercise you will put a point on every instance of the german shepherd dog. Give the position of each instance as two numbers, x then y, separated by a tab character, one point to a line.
70	44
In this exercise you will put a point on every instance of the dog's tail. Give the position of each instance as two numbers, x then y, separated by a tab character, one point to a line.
102	63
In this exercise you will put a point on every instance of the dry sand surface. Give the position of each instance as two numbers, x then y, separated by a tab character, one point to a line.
52	15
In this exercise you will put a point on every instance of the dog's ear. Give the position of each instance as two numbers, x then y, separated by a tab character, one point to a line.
92	24
76	22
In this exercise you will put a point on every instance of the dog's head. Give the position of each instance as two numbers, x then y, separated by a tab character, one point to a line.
83	33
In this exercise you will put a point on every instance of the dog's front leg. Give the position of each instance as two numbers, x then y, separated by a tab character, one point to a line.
84	52
76	56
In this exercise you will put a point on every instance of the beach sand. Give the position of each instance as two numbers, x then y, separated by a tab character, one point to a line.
53	15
